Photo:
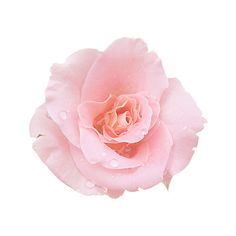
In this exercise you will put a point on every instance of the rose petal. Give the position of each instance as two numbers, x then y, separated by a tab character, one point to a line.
137	131
52	148
89	110
64	89
183	118
179	109
182	150
159	144
95	152
124	68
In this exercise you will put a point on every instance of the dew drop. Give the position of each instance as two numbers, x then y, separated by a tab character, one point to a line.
63	115
104	154
90	184
143	131
114	163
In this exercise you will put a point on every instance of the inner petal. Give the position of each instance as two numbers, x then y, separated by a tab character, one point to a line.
116	121
123	121
128	119
124	149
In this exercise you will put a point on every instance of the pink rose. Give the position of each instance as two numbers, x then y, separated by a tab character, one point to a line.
113	121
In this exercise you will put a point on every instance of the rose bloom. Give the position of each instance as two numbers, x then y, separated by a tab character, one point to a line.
112	121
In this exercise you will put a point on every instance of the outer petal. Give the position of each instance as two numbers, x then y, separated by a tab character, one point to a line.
125	67
64	89
159	143
182	151
155	106
183	118
52	148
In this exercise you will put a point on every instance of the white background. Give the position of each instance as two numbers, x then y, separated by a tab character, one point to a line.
197	43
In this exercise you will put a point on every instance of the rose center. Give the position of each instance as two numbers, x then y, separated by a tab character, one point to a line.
117	119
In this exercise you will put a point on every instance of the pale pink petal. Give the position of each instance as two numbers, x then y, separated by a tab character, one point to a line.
52	148
88	111
159	144
95	151
64	91
182	150
125	67
155	106
183	118
179	109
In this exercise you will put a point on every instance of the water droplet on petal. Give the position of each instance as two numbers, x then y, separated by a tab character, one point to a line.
90	184
143	131
114	163
63	115
105	190
104	154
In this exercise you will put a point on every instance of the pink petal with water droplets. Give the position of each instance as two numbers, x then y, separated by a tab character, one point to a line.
53	149
64	91
159	145
125	67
